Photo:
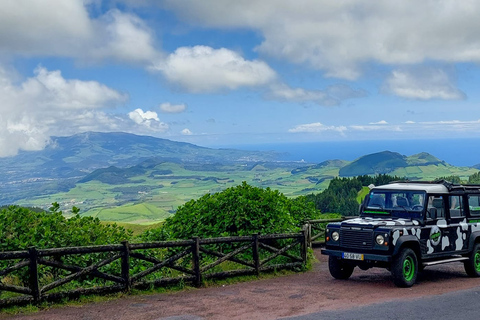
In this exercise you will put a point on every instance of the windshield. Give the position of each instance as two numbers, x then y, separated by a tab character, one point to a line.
397	203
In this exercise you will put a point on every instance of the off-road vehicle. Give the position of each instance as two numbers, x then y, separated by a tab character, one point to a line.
407	226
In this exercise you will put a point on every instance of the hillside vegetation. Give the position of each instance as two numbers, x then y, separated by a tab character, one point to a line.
143	180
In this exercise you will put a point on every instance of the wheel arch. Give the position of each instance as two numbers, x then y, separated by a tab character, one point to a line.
474	238
409	242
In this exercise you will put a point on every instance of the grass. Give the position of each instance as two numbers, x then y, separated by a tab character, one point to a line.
362	193
137	229
167	186
167	192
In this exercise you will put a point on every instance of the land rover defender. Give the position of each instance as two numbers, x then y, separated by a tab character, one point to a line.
407	226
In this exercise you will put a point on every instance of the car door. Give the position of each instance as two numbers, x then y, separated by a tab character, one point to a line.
435	230
456	220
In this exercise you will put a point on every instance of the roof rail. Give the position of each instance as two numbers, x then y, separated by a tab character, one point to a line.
449	185
446	183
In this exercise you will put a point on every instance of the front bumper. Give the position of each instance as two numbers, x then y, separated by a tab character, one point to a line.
367	257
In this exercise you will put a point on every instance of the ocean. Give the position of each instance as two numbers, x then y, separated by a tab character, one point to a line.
457	152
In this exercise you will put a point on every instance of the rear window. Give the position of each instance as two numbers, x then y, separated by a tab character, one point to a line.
474	204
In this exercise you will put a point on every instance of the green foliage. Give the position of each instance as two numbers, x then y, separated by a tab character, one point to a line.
452	179
474	178
341	196
21	228
236	211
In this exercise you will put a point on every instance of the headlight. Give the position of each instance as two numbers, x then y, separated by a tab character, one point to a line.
380	240
335	236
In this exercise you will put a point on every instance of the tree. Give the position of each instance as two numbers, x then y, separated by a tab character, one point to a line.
474	178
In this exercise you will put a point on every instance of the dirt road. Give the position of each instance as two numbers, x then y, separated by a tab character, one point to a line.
284	296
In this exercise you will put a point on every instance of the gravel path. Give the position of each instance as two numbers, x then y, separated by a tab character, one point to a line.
274	298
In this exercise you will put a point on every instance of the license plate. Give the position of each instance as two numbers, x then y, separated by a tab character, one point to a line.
352	256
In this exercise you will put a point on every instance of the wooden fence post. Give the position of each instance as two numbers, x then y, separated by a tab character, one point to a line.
196	261
308	226
256	256
126	266
32	251
304	243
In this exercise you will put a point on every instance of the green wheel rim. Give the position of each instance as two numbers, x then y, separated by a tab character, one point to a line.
409	268
476	261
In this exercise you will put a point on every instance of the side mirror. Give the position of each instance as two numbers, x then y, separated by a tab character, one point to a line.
432	213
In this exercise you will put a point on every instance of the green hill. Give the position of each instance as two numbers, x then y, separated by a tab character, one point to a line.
67	160
376	163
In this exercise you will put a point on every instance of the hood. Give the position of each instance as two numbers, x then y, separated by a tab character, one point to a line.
369	222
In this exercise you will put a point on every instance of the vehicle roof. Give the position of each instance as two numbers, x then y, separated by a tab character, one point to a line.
427	187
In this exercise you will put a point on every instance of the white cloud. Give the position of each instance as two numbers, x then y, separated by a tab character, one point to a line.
331	96
139	116
125	37
186	132
43	27
51	90
422	83
148	120
316	127
204	69
373	127
172	108
47	104
64	28
379	122
340	36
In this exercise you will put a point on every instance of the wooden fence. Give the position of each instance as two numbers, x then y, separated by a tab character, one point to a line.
316	230
69	272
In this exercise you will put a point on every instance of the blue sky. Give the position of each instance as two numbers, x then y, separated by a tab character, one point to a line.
236	72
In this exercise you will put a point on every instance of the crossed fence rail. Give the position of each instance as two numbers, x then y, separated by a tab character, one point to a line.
316	230
121	267
56	273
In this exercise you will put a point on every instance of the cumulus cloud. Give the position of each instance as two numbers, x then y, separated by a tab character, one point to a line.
316	127
124	37
34	28
422	83
379	122
339	37
148	119
202	69
45	104
172	108
186	132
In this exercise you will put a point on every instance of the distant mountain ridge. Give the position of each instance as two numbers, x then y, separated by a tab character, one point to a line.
82	153
95	170
387	162
68	159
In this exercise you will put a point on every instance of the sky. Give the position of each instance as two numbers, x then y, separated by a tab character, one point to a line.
239	72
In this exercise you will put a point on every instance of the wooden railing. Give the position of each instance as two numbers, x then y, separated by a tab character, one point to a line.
316	230
69	272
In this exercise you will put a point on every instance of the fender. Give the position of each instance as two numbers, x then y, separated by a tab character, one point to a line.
473	237
407	240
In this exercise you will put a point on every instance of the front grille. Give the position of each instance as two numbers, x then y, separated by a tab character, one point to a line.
356	239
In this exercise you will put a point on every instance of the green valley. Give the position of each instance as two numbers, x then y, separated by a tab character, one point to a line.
142	180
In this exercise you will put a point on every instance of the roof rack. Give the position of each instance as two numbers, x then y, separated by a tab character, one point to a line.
449	185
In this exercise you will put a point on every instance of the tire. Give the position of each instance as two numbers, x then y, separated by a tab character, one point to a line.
339	269
472	266
405	268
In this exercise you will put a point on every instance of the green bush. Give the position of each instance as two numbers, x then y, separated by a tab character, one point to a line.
21	228
236	211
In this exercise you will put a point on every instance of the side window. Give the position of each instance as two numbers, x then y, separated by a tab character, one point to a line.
474	204
456	207
435	209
